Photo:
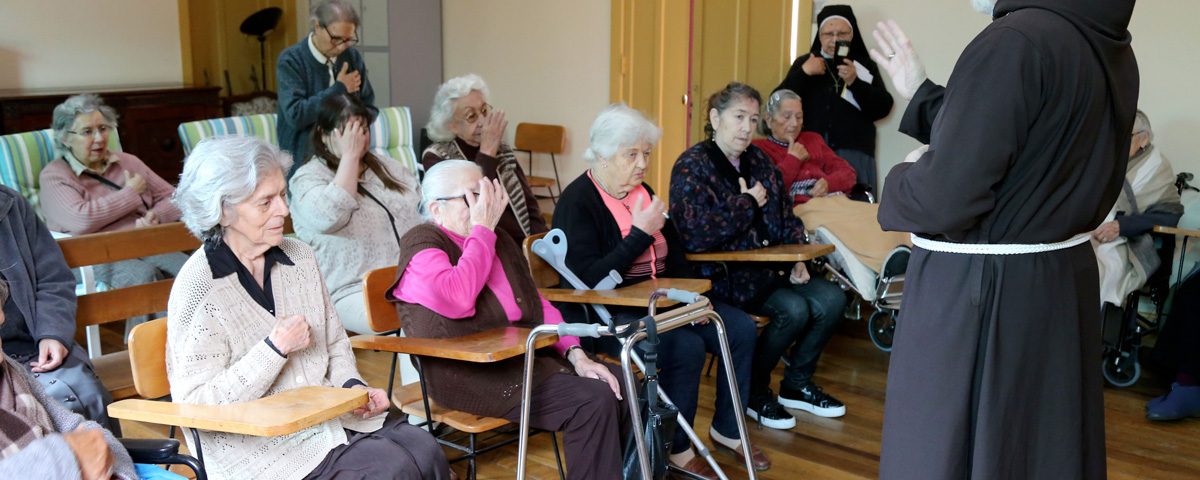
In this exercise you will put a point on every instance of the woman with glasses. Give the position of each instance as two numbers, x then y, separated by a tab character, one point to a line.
466	127
321	65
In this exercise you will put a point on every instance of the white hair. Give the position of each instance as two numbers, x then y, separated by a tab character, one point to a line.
985	7
443	104
1141	123
220	172
442	180
618	126
328	12
66	112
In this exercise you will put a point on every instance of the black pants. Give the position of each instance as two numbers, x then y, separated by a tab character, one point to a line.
592	421
803	318
1178	344
396	451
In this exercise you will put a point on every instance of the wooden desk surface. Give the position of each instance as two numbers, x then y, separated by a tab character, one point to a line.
483	347
636	295
279	414
777	253
1177	231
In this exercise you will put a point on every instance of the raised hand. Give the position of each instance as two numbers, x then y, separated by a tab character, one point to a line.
650	216
898	59
796	149
847	72
758	192
352	141
352	80
489	207
135	182
290	334
493	132
815	65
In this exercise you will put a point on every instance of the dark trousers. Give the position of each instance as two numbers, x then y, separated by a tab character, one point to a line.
592	421
1179	342
803	318
864	166
396	451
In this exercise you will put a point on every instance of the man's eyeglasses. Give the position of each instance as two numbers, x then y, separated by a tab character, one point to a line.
339	41
473	115
101	130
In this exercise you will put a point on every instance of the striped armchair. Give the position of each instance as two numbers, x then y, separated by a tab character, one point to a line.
22	156
261	126
392	136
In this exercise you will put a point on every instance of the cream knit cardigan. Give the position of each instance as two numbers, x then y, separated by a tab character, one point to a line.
216	355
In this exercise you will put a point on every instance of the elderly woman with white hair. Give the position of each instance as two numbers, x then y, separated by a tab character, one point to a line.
250	317
613	221
90	188
465	126
460	275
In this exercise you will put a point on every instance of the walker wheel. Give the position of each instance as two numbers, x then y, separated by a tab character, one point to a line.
1121	371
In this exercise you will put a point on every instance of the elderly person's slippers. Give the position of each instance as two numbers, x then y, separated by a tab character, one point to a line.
757	455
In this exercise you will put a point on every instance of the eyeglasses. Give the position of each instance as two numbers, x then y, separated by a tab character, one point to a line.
473	115
339	41
102	130
463	197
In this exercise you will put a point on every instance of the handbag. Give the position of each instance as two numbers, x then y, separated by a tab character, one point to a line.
659	419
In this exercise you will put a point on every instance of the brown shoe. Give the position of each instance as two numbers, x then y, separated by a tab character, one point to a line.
757	455
698	466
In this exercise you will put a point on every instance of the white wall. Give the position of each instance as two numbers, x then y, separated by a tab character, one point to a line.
545	61
80	43
1165	41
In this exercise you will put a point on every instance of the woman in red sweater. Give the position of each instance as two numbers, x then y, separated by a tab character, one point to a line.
810	168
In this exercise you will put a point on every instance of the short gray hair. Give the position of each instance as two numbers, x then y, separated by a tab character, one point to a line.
1141	123
618	126
772	107
66	112
443	104
220	172
331	11
441	180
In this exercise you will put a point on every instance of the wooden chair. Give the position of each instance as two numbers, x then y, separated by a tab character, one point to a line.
114	305
280	414
534	138
413	399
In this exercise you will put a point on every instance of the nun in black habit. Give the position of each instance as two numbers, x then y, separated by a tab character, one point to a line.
995	367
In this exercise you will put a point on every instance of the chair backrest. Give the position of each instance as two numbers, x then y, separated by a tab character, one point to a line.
381	313
148	358
261	126
392	136
537	137
543	273
23	155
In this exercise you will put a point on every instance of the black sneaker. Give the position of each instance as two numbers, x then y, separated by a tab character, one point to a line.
813	400
769	412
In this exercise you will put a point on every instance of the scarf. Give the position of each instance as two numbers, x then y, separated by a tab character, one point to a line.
22	418
654	259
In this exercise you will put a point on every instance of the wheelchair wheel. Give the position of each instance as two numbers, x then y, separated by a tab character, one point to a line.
1121	371
881	327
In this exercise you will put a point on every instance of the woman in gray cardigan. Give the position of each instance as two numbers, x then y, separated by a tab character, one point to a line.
39	438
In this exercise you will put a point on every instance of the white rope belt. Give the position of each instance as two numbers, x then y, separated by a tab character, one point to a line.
997	249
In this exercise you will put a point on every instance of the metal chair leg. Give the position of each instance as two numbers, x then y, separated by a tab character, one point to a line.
557	458
471	471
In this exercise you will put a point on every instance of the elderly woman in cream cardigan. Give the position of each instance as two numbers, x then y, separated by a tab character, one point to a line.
250	316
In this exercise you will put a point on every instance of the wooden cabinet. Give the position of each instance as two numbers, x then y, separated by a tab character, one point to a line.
148	117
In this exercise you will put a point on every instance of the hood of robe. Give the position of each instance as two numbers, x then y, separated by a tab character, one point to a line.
1105	25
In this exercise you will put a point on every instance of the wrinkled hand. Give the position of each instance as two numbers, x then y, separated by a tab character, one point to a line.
586	368
1107	231
135	182
352	80
291	334
800	273
815	65
51	354
759	192
91	452
489	207
352	141
149	219
916	154
847	72
493	132
796	149
898	59
649	217
819	189
377	402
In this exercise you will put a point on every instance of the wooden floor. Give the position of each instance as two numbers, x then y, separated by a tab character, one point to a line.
848	448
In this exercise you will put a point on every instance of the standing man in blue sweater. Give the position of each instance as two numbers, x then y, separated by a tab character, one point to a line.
322	64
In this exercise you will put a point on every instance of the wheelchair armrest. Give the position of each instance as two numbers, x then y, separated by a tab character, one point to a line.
151	450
